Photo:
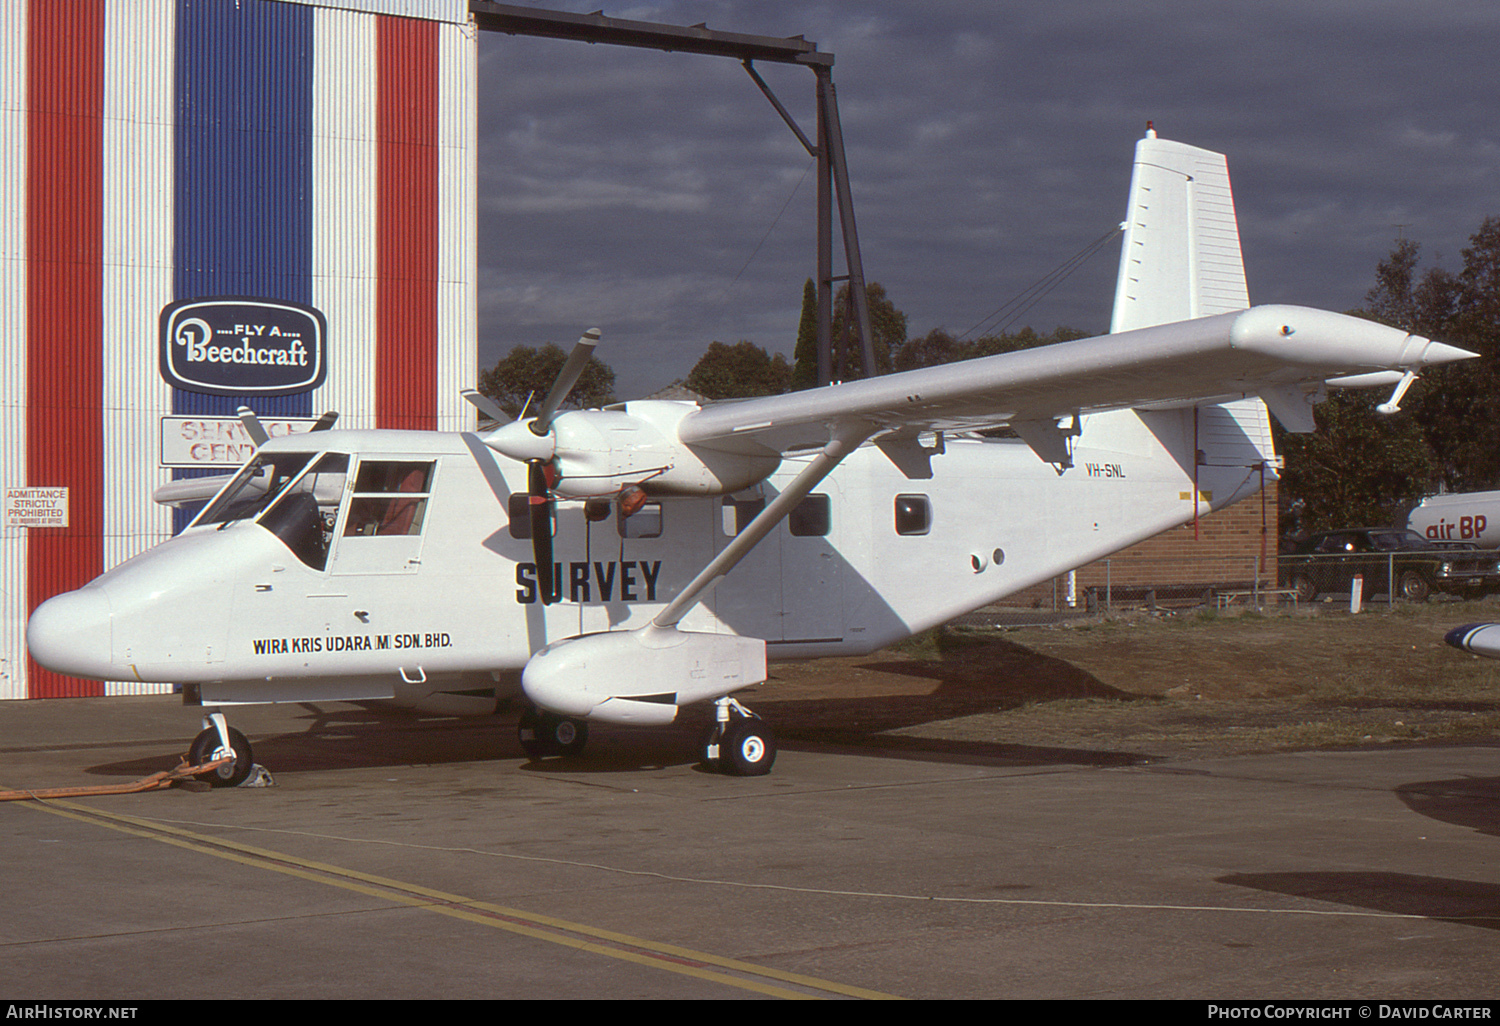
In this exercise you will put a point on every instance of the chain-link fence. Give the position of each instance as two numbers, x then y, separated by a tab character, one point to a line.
1223	582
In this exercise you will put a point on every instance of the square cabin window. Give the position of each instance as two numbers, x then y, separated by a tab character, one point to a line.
519	509
643	523
810	517
737	513
913	514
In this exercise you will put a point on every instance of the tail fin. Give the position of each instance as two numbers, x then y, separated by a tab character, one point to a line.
1181	253
1180	259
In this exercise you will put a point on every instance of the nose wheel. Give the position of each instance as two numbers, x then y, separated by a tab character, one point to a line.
217	740
738	743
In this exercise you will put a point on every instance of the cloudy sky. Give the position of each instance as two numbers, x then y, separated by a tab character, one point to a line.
660	198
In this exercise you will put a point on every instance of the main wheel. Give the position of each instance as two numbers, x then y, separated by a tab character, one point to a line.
747	748
542	734
205	748
1412	586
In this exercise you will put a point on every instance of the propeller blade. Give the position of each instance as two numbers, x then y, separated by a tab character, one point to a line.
326	422
485	405
541	526
572	370
253	426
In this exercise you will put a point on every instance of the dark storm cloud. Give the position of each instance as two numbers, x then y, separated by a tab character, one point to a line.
644	192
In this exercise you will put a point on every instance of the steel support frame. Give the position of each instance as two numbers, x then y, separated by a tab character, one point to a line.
833	170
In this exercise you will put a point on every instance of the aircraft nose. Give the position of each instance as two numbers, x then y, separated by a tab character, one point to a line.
70	633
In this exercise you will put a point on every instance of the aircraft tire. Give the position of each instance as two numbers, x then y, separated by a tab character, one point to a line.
231	774
747	749
544	734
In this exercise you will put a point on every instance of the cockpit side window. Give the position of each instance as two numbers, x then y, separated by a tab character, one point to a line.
254	487
304	516
390	498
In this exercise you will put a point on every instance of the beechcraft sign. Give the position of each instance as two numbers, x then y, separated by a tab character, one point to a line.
241	346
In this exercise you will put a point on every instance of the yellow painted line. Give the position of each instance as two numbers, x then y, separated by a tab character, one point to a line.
659	956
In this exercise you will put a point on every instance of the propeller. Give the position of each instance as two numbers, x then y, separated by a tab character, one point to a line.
257	431
539	480
533	443
578	359
253	426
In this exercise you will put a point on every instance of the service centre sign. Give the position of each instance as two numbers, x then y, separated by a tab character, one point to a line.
217	441
239	346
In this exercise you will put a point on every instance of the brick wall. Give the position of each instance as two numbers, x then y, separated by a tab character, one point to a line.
1221	549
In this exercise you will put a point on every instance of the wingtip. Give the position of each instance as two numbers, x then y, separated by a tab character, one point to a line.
1441	352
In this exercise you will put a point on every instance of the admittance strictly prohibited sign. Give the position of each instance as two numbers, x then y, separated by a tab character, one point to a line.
36	507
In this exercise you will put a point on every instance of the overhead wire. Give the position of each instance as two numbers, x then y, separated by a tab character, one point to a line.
775	221
1018	305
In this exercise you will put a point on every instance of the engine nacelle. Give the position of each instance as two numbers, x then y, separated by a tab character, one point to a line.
640	676
597	452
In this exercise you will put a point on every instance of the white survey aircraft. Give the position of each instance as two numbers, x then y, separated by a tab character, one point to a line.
628	561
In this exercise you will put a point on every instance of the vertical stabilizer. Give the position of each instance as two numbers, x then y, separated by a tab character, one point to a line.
1180	257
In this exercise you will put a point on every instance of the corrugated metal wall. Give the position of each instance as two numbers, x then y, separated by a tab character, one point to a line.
13	547
158	150
64	296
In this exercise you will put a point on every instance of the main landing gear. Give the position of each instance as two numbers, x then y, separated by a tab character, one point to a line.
543	734
738	742
217	740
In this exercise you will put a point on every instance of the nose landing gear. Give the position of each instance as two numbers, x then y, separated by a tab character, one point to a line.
218	740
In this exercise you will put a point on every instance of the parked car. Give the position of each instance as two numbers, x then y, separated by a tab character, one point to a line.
1329	562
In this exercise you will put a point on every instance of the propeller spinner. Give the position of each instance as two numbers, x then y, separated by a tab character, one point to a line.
533	443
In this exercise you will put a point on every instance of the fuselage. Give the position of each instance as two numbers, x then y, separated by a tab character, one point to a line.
387	564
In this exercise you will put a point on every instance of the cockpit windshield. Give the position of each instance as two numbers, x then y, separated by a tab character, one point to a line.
253	488
303	517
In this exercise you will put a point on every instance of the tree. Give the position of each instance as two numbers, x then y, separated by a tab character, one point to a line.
937	346
528	372
1361	468
805	355
1456	405
1026	338
1358	469
887	325
739	371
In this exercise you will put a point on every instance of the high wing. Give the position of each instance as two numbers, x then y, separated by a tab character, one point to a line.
1280	353
1182	333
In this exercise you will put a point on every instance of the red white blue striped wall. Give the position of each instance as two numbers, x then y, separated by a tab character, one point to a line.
158	150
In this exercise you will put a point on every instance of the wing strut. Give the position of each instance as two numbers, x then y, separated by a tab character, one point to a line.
847	436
